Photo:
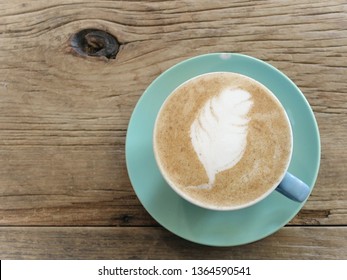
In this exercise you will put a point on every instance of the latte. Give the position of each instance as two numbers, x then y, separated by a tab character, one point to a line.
222	140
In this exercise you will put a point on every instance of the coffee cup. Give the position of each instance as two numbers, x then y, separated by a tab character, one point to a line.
223	141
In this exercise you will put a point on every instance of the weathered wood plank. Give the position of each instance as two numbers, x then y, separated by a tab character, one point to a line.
88	185
157	243
67	185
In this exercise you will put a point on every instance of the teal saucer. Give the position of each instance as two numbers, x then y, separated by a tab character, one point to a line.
216	228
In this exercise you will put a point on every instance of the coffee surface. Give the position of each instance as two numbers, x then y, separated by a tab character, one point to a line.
222	140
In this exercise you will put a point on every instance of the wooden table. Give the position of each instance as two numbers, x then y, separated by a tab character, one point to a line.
64	188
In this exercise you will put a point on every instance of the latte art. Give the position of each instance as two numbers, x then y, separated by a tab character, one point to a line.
222	141
219	133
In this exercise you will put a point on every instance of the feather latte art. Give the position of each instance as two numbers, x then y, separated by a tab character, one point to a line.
219	133
222	141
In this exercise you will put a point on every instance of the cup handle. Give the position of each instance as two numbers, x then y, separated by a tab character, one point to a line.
293	188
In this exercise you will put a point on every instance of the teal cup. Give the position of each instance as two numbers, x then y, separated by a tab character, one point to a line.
215	129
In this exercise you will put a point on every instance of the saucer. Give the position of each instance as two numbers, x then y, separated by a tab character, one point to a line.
209	227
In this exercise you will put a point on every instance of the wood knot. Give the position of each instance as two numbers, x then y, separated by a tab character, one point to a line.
94	42
126	218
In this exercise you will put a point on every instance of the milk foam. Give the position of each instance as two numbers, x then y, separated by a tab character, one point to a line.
219	133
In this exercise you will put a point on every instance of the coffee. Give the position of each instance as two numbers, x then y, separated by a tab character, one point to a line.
222	140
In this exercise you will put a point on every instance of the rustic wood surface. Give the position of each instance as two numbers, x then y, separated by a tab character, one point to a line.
64	188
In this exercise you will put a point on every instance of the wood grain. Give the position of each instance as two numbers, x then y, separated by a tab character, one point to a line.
63	117
157	243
